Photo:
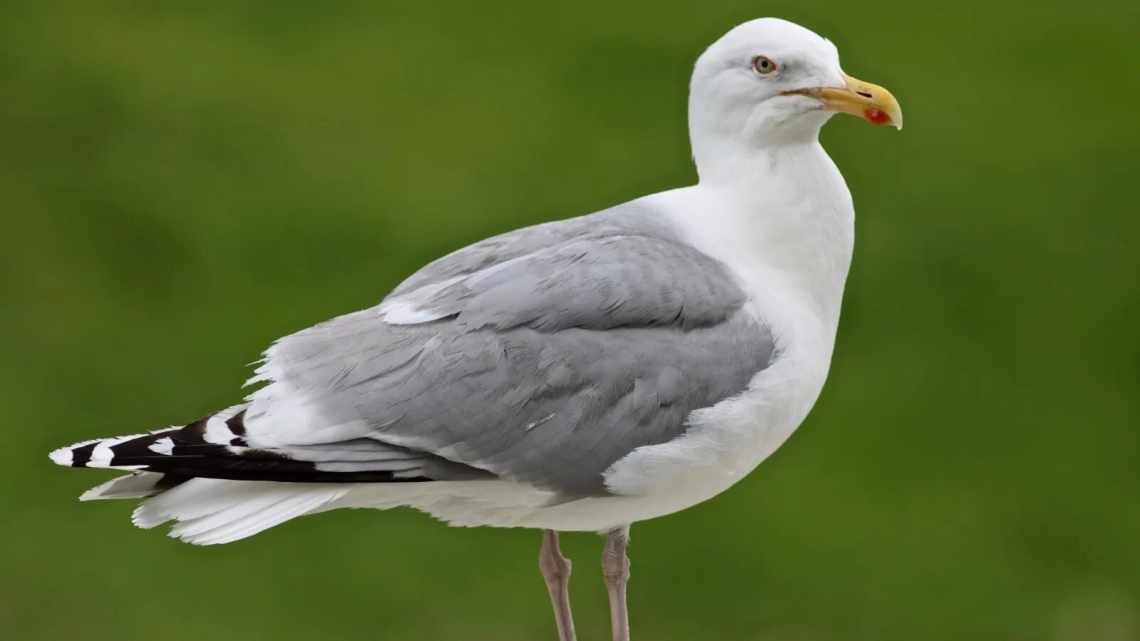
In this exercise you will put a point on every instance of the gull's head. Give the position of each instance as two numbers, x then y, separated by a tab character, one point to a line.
770	81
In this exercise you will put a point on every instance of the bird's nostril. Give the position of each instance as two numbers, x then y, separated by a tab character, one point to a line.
865	94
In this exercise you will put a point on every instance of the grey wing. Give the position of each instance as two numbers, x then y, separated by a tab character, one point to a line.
545	364
629	218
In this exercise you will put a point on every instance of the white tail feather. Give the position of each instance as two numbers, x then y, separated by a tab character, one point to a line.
278	512
213	511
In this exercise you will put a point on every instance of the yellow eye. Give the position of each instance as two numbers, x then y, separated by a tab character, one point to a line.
764	65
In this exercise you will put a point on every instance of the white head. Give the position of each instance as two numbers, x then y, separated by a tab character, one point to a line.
770	82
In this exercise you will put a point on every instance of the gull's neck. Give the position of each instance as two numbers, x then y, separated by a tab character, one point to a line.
781	217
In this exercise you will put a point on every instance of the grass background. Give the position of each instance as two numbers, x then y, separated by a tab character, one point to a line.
183	182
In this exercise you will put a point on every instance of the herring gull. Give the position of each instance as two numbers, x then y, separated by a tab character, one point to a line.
578	375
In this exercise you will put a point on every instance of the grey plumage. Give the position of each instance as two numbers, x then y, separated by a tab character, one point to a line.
543	355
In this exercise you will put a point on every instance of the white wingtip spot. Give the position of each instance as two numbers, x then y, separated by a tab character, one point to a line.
66	455
102	455
217	432
164	446
62	456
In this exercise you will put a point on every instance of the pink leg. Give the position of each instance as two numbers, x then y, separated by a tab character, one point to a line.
556	571
615	569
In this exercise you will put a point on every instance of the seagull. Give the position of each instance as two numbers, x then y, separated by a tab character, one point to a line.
575	376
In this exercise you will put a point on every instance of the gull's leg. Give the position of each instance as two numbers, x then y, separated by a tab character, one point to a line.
556	571
615	569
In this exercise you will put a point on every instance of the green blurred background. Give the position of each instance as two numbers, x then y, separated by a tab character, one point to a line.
184	182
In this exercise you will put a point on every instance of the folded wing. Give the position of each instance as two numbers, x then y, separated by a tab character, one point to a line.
541	356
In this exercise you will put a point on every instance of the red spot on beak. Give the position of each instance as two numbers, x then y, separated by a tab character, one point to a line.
876	116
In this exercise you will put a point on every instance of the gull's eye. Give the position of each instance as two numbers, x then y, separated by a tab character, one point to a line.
764	65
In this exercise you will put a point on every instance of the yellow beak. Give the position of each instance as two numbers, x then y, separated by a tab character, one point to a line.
869	101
